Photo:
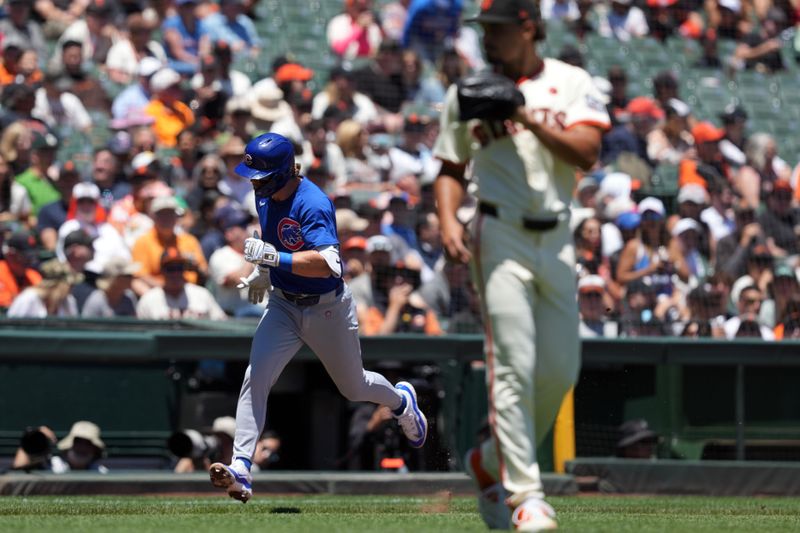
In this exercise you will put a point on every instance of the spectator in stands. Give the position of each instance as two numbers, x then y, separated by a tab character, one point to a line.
232	184
734	120
231	82
782	292
705	309
19	25
748	305
18	63
18	101
182	37
79	254
591	305
133	100
177	299
709	58
6	185
58	108
15	149
124	56
623	21
707	163
81	449
352	140
39	188
106	175
665	88
113	296
96	33
631	137
650	255
397	308
431	25
760	50
585	23
129	213
619	93
50	297
719	215
171	115
637	440
270	112
688	233
639	317
671	141
355	32
401	228
53	215
226	266
758	272
90	218
80	82
565	10
755	180
232	26
381	79
725	16
149	248
16	273
267	451
340	93
780	221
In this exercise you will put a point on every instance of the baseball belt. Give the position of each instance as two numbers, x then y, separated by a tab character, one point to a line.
533	224
304	300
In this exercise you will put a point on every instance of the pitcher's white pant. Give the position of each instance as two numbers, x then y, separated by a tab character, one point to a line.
330	329
528	290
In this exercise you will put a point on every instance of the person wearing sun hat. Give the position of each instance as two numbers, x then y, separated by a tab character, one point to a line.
113	296
51	297
81	449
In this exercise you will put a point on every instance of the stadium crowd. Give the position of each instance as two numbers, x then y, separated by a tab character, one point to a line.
122	121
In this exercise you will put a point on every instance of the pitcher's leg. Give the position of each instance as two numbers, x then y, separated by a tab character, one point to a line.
274	344
557	342
511	362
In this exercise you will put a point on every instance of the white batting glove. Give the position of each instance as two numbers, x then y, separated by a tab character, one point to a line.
259	252
257	284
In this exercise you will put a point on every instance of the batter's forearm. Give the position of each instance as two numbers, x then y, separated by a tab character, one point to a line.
309	264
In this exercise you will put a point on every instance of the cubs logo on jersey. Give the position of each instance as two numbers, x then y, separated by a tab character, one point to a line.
289	234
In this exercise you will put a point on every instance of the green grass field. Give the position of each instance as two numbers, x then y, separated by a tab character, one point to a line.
119	514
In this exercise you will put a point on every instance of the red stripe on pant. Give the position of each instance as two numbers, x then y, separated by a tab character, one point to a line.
489	342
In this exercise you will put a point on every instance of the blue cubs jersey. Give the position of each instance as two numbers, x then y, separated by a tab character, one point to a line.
304	221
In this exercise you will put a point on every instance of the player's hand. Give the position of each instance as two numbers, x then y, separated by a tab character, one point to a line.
525	116
257	284
453	241
259	252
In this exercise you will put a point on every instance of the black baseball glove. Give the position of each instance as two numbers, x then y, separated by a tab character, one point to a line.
487	96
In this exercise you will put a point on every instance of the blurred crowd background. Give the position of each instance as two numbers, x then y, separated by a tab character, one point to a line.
122	121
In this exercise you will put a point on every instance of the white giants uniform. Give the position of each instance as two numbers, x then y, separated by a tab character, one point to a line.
524	263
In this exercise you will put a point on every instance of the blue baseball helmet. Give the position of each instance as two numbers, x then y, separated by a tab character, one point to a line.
268	158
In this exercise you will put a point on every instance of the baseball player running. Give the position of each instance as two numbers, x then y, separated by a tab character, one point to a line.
523	257
298	259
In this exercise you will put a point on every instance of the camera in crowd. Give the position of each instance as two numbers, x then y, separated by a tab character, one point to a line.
36	444
215	445
193	444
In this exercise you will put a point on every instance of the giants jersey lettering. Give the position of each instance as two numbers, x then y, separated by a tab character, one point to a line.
511	168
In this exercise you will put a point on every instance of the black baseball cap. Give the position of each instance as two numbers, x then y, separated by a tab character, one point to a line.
507	11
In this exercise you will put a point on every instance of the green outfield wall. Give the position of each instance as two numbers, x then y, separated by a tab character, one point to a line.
141	380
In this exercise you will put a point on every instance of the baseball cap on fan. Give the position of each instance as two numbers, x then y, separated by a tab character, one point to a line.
506	11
